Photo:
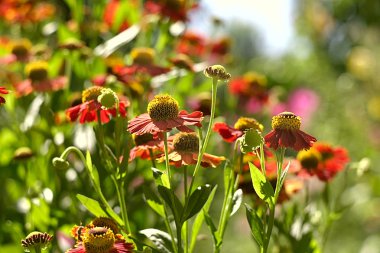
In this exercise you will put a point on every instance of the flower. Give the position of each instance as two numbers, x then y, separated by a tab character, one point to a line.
183	61
185	152
175	10
145	144
191	44
36	240
230	134
217	72
323	160
110	16
20	50
164	115
38	79
88	110
101	240
286	133
3	90
25	12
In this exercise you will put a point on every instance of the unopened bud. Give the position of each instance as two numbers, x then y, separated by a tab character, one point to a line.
60	163
217	72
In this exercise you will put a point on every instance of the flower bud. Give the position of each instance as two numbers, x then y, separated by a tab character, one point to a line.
217	72
108	98
60	163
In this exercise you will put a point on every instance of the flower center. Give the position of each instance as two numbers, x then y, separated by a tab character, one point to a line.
244	123
163	107
98	240
186	142
142	139
309	159
91	93
21	48
107	223
143	55
37	71
286	120
108	98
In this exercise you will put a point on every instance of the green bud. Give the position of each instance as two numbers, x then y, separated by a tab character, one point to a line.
60	163
217	72
108	98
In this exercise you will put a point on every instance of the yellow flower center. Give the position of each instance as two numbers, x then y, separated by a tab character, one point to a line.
286	120
107	223
256	79
143	55
244	123
98	240
91	93
21	48
37	71
186	143
309	159
142	139
163	107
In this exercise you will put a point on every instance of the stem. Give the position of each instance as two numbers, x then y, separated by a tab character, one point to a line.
119	185
167	164
186	224
208	133
152	158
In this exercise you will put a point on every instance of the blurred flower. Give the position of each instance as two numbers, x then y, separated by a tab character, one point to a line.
183	61
191	44
221	46
110	16
39	80
201	102
164	115
303	102
22	153
323	160
19	50
175	10
3	90
72	44
361	62
36	241
230	134
101	240
251	90
185	152
286	133
145	145
23	12
90	107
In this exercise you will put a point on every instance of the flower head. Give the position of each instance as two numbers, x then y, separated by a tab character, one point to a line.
97	99
185	151
286	133
217	72
3	90
36	240
105	222
164	115
323	160
23	153
230	134
145	145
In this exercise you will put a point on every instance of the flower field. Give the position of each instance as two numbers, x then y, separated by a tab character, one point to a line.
157	126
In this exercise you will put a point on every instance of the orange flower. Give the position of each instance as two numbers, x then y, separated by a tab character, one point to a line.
286	133
145	144
185	152
175	10
230	134
164	115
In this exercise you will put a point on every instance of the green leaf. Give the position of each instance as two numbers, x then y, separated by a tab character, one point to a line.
92	206
196	201
173	202
212	227
256	225
153	201
227	178
251	140
199	220
283	175
262	187
236	201
160	239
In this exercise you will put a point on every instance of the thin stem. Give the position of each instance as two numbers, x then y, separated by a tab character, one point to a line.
167	164
186	224
152	158
208	133
119	185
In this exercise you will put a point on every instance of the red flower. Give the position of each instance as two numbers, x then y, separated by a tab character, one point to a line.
185	152
163	115
145	144
175	10
192	44
88	110
110	16
323	160
230	134
3	90
286	133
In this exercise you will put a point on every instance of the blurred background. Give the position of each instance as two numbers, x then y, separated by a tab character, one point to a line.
319	59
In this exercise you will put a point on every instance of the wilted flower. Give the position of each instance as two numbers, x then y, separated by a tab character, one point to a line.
88	110
286	133
230	134
36	241
164	115
323	160
185	152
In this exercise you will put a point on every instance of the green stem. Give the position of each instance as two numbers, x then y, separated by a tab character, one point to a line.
167	164
119	185
152	158
208	133
186	224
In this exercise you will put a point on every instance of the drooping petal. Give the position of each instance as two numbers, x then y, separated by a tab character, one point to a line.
229	134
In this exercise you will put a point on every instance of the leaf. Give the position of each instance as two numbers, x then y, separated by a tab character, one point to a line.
160	239
283	175
92	206
196	201
211	226
256	225
262	187
251	140
199	220
237	199
173	202
227	178
153	201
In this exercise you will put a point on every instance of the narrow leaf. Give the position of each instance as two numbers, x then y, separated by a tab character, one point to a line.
212	227
256	225
172	201
236	201
92	205
160	239
262	187
227	178
283	174
196	201
153	201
